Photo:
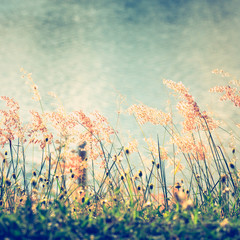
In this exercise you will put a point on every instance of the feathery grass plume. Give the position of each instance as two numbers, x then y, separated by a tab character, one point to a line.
153	148
230	93
131	147
187	144
146	114
38	131
194	119
10	124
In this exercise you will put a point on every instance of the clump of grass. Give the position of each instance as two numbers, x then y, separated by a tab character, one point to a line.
182	184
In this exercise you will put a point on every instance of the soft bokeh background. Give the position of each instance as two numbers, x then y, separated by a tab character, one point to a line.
88	52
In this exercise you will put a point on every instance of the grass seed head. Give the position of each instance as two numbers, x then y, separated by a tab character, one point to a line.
40	178
231	165
177	185
34	182
127	151
61	196
8	182
223	178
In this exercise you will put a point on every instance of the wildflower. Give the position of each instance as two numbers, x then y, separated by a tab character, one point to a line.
104	201
158	165
226	190
187	205
140	173
224	223
177	185
34	173
197	176
136	177
72	175
231	165
14	176
223	178
61	196
34	182
81	191
8	182
40	178
180	196
151	186
70	170
122	177
6	153
82	146
127	151
117	158
138	187
43	201
83	199
233	150
147	204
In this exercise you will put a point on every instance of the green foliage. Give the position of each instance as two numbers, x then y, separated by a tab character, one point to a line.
58	223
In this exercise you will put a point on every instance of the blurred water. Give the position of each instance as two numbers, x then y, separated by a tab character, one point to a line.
88	52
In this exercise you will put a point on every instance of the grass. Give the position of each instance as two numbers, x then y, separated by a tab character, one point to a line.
185	188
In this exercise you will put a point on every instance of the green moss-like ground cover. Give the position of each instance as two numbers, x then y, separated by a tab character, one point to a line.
60	223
